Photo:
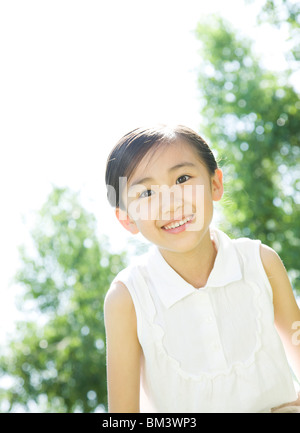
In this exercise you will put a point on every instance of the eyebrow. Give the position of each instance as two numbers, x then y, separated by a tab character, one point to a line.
172	169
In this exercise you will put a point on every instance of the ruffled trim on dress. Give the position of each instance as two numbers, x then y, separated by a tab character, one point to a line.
236	366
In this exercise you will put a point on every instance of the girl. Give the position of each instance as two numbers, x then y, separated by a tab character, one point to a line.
190	324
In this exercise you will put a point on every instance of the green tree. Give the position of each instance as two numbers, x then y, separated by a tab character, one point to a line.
57	357
283	14
251	116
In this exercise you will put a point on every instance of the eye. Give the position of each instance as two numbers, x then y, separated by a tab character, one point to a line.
183	178
146	193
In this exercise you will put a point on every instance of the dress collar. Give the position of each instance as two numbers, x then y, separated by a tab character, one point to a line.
171	287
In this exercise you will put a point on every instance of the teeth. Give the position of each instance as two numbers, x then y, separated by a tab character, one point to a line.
179	223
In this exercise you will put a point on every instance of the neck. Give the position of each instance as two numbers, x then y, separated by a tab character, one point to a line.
196	265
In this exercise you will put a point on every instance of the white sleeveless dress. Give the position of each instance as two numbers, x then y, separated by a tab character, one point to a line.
212	349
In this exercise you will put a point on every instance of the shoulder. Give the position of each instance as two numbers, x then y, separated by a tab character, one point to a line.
120	318
276	272
284	301
119	311
118	302
269	258
271	261
286	309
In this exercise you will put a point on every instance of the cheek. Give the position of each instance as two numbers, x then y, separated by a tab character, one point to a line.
196	195
201	200
137	211
145	210
146	228
207	201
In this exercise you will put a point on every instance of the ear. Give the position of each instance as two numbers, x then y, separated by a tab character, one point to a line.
126	221
217	185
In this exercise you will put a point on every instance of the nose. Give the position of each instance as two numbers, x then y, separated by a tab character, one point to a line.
171	202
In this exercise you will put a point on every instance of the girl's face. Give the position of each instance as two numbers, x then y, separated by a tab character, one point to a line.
170	197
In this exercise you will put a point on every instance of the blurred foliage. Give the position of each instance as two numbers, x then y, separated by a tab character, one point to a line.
57	358
283	14
251	116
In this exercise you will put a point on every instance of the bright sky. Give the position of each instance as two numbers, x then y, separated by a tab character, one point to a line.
74	77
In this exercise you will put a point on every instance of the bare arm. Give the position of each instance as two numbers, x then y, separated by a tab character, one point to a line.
286	310
123	350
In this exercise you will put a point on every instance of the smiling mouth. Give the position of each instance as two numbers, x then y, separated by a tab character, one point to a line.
176	224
